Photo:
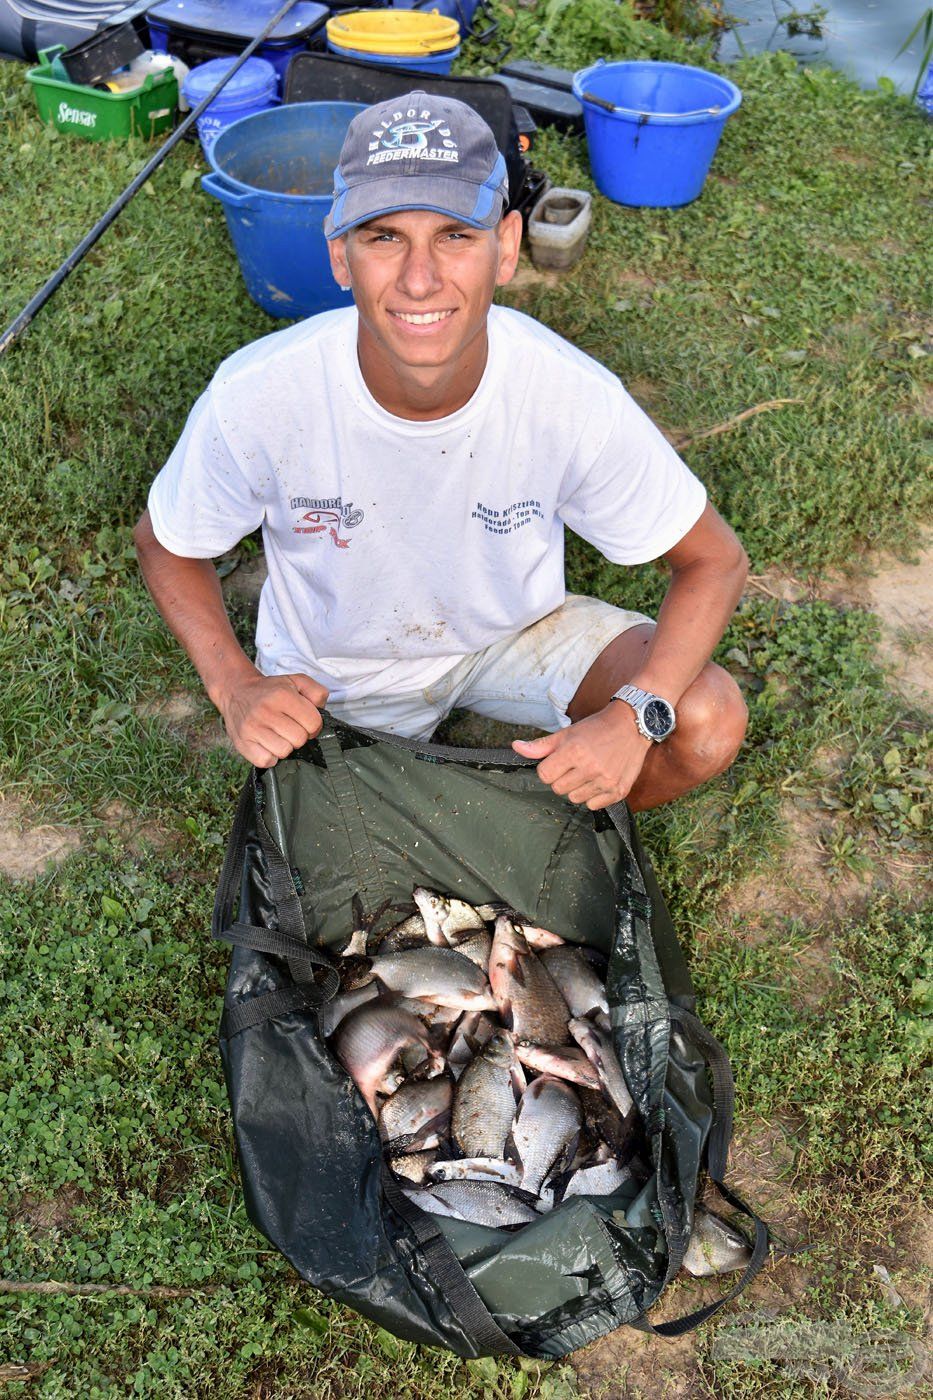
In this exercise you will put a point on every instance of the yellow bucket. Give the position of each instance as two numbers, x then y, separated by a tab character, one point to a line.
395	33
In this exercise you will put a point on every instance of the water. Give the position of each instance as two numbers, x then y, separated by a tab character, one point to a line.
861	37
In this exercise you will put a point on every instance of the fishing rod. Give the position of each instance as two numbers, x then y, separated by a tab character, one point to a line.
16	328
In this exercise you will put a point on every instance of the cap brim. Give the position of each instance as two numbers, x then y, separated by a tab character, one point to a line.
473	204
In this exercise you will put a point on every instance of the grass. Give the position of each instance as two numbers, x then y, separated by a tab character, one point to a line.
800	274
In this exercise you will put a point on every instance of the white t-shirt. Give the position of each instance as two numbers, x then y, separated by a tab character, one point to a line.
396	547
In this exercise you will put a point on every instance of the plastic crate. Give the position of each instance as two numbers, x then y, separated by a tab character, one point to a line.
104	116
94	59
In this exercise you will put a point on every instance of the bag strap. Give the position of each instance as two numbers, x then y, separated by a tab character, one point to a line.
228	886
449	1275
716	1155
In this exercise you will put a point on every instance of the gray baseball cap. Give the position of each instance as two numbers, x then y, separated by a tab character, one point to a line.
418	151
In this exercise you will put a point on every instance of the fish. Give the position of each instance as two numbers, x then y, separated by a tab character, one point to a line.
596	1044
370	1040
577	982
414	1166
484	1102
332	1012
410	933
477	945
601	1179
539	938
444	917
715	1246
477	1169
562	1063
439	975
474	1030
480	1202
544	1135
528	1000
418	1113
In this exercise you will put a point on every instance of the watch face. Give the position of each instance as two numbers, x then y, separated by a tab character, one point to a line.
657	718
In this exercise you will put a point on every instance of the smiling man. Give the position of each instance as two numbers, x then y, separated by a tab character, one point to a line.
413	461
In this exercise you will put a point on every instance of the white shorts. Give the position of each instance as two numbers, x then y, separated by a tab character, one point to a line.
529	678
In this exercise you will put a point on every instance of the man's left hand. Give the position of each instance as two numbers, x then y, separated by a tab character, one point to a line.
595	761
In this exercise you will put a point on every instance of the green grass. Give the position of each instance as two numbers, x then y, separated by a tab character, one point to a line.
801	273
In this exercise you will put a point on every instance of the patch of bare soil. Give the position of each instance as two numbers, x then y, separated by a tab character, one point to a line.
25	851
177	707
801	884
901	594
632	1365
43	1216
134	832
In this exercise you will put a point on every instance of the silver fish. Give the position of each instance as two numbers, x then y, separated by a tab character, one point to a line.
715	1247
474	1030
477	1169
562	1062
484	1103
414	1166
579	984
356	946
481	1202
368	1044
332	1012
410	933
544	1135
418	1113
444	917
599	1180
439	975
475	945
539	938
528	1000
597	1045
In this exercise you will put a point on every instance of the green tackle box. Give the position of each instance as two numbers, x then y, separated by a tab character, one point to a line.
147	111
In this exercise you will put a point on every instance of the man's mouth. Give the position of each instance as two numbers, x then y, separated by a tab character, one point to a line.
421	318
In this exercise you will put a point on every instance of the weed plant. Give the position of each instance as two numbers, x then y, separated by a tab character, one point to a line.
802	273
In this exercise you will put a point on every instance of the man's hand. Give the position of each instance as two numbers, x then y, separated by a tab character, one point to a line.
596	761
267	717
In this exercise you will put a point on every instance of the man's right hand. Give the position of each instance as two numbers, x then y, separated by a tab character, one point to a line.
267	717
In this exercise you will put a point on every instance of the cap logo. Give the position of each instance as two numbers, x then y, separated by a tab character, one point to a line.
404	136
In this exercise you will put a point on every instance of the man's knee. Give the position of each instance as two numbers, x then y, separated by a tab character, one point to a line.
712	718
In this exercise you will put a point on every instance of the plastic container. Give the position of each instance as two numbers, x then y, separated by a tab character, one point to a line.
398	34
925	93
274	175
147	111
198	30
94	59
252	89
559	226
653	129
422	63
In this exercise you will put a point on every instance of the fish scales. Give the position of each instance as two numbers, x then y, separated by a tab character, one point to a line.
484	1102
576	980
527	996
544	1134
480	1202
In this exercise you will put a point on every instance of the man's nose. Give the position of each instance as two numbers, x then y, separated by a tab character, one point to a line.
419	276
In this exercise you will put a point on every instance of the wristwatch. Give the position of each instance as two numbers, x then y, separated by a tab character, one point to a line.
655	717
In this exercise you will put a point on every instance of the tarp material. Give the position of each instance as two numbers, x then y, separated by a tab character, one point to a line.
363	815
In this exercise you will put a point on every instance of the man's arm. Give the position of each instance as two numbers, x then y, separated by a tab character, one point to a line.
604	751
266	717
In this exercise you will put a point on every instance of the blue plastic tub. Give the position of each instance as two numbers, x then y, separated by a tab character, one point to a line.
460	10
656	147
252	89
422	63
274	175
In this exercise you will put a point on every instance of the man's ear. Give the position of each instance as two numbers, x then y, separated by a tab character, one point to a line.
509	233
337	248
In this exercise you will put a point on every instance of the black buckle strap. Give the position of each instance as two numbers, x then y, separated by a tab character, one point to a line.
449	1275
253	1012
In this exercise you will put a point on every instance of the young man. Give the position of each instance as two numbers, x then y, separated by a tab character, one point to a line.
413	461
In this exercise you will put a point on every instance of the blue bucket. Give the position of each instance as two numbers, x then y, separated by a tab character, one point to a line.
252	89
655	146
274	175
422	62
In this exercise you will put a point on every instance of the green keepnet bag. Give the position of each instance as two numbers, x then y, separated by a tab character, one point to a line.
357	814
